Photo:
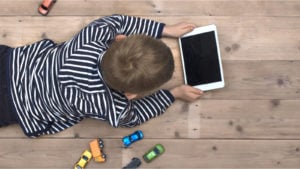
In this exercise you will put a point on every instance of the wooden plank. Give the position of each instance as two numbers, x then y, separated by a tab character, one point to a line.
223	154
53	153
156	7
260	80
205	119
253	80
241	38
250	38
252	123
183	153
246	119
216	119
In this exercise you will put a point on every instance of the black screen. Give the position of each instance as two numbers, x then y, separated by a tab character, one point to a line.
201	59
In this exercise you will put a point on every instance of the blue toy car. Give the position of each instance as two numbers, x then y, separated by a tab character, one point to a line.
128	140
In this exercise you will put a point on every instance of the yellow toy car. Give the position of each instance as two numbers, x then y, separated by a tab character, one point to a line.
84	159
96	147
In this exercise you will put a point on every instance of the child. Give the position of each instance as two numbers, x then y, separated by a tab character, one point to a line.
98	74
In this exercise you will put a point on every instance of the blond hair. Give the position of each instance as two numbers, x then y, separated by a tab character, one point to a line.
137	64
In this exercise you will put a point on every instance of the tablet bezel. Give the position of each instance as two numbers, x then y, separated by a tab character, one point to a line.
196	31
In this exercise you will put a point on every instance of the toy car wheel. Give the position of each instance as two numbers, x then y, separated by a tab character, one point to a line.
101	144
104	156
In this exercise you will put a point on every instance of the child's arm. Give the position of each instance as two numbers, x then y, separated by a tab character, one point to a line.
141	110
127	25
173	31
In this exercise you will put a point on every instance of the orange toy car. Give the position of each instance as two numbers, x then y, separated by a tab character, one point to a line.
46	6
96	147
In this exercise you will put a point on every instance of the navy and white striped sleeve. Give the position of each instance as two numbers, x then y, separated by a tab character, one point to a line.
144	109
129	25
58	126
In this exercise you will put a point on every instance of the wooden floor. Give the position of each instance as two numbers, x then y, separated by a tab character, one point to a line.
254	122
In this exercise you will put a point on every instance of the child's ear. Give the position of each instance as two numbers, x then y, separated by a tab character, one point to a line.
130	96
120	37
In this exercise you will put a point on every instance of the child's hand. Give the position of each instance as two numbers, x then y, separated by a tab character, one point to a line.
178	30
186	93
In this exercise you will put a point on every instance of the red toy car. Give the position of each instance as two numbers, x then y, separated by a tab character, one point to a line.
46	6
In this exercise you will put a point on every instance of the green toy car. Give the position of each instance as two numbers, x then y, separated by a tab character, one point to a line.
154	152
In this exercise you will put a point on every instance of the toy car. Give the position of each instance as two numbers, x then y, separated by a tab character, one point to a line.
45	6
84	159
134	163
153	153
96	147
128	140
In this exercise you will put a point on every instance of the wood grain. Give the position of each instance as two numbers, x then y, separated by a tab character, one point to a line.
254	122
241	38
156	7
63	153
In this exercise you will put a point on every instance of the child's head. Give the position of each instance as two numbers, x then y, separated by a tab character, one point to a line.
137	64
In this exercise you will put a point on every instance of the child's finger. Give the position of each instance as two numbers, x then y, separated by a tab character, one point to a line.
190	26
196	91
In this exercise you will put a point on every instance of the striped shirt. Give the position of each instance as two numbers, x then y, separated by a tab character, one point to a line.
55	86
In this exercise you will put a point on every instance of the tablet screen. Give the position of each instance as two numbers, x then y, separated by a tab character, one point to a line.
201	58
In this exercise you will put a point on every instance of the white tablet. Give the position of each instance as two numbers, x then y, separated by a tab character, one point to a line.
201	58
